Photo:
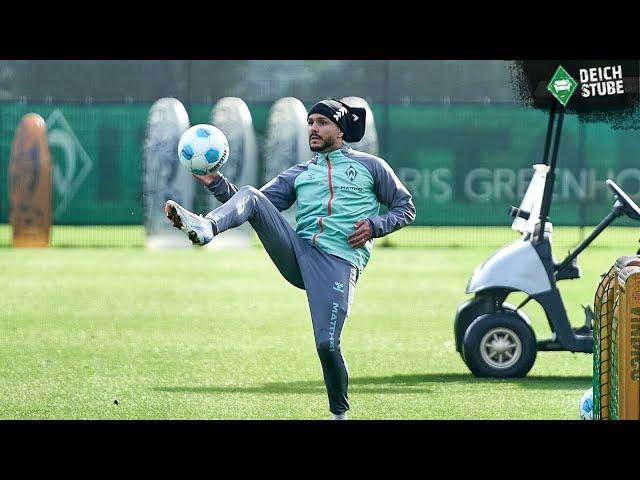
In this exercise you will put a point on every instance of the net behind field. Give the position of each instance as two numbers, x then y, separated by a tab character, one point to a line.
565	238
71	236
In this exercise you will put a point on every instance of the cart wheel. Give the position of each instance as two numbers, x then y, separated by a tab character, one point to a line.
499	344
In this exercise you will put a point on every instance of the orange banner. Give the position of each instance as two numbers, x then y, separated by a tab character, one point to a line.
30	183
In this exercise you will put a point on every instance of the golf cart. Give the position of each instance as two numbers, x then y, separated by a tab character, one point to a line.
495	338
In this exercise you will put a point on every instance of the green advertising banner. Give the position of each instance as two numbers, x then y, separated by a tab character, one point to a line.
464	164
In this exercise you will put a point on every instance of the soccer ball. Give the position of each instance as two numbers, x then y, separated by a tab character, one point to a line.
586	405
203	149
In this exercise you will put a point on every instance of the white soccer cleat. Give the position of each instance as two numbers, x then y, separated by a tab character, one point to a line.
197	228
342	416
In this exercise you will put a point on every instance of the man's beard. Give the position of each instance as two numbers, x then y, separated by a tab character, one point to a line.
326	144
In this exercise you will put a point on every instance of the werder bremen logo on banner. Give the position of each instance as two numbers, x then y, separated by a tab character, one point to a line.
71	165
562	85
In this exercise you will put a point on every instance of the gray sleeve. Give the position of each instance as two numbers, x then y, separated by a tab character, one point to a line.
281	190
392	193
222	188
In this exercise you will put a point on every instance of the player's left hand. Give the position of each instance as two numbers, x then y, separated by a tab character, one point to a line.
207	179
360	236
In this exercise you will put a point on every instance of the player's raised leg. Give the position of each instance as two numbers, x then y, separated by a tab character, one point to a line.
280	241
248	204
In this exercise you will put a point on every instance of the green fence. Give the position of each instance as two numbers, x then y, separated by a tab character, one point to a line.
464	164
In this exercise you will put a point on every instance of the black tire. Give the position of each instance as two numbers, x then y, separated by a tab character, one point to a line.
480	305
500	345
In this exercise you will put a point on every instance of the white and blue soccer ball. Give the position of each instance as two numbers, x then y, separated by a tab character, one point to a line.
586	405
203	149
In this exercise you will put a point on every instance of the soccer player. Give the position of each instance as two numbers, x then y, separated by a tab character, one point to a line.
338	194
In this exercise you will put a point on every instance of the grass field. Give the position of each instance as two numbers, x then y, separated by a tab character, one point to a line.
200	334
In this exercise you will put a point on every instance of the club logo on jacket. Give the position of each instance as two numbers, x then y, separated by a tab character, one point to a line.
351	173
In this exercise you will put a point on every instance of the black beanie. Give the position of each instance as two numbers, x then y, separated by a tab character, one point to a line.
351	120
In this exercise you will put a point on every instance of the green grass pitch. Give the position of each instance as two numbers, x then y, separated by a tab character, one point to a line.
199	334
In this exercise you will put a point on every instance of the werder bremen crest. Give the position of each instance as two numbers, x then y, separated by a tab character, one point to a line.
351	173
